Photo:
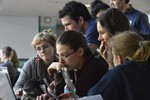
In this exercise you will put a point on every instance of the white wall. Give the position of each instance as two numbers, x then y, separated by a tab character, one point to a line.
18	33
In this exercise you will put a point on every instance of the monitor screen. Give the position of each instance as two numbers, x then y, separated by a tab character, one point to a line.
6	92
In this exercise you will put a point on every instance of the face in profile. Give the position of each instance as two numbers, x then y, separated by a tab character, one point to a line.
70	24
1	56
103	36
45	51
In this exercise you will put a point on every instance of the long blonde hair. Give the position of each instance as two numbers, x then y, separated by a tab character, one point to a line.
131	46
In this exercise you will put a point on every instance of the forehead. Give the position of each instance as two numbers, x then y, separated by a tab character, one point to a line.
60	48
41	43
99	27
66	19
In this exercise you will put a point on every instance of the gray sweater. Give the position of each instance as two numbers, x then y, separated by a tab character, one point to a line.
33	68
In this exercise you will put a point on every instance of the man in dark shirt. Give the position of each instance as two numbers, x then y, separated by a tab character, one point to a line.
138	20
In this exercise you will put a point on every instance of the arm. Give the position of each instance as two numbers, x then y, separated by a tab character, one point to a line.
144	25
25	74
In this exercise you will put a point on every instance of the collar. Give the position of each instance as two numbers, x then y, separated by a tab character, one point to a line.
129	9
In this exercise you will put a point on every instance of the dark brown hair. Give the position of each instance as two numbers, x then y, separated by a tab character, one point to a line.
113	21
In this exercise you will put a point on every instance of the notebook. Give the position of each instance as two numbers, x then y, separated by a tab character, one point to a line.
94	97
6	92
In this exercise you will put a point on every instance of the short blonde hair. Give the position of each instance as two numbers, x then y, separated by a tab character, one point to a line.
131	46
46	36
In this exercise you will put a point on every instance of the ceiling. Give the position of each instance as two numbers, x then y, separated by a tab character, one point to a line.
51	7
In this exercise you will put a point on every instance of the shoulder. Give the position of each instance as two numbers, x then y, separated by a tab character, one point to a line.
98	61
30	63
92	24
106	82
31	60
96	65
116	73
134	12
92	21
92	29
5	64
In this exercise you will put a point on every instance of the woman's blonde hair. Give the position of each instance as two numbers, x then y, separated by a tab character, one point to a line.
46	36
130	45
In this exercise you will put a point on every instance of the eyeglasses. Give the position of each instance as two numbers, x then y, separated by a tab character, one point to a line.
65	57
42	47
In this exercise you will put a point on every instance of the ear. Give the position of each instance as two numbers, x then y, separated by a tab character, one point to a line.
80	51
120	59
81	20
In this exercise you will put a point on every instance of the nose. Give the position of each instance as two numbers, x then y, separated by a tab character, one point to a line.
42	50
61	60
66	28
100	37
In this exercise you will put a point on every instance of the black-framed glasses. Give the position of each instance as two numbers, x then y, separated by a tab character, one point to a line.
66	56
42	47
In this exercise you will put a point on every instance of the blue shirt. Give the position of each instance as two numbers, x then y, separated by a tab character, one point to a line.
138	21
92	33
129	81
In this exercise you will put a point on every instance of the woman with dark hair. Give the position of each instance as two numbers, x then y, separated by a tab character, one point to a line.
75	55
9	59
110	23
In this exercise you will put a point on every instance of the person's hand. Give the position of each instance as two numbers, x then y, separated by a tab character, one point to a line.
55	66
19	92
43	97
52	86
103	50
106	53
65	96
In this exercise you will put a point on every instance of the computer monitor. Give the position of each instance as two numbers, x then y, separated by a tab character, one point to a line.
6	91
5	70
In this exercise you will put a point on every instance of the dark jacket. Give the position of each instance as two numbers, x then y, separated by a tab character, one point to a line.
86	77
129	81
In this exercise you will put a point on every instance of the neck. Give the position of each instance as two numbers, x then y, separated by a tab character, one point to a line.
125	8
81	63
47	64
85	27
6	60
